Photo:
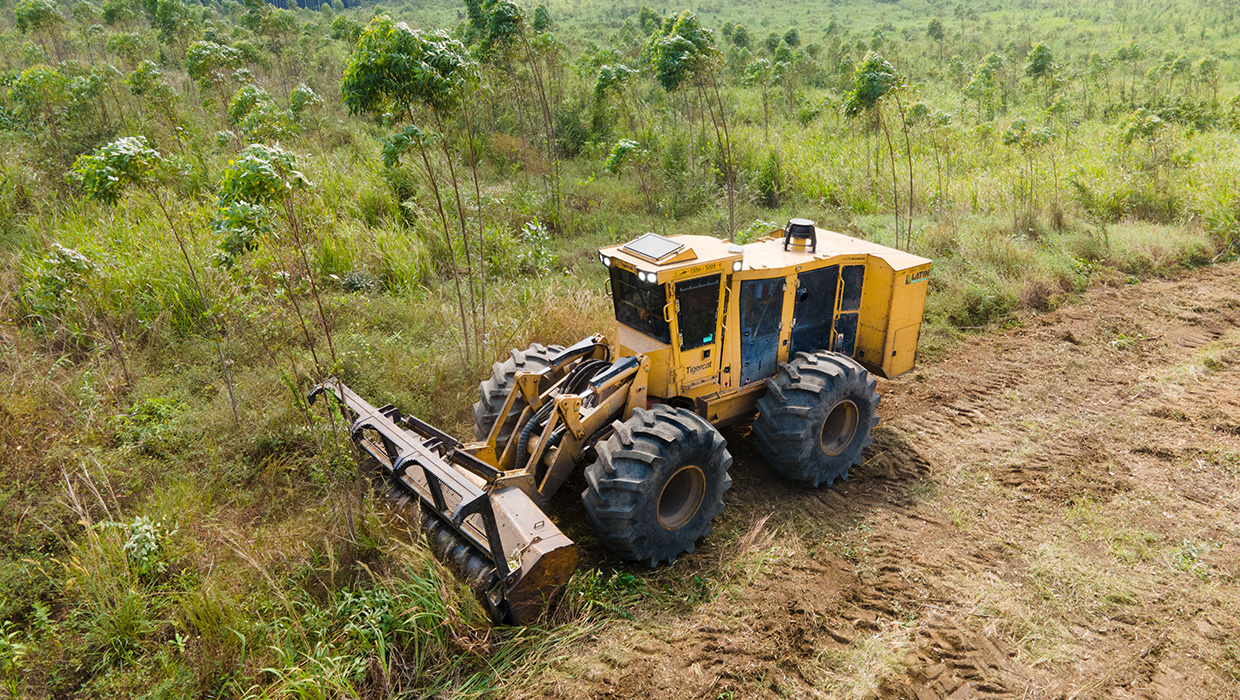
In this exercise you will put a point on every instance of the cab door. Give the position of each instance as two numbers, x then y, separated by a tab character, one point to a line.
814	311
852	277
696	340
762	311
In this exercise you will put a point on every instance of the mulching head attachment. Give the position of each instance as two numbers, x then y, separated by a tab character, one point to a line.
482	524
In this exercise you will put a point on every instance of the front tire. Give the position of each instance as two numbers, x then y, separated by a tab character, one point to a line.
816	417
494	391
658	481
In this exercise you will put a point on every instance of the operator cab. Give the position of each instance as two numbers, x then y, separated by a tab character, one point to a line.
716	319
668	295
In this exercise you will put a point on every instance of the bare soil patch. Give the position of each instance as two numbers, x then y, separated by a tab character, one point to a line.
1049	512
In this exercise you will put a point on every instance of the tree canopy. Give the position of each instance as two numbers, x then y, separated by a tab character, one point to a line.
395	68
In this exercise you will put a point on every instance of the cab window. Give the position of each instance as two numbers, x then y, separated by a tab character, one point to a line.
697	302
853	276
640	305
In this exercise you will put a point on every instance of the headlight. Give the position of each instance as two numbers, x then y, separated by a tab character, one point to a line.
606	260
736	266
641	275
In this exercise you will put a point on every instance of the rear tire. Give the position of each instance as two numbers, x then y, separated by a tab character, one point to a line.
658	481
494	391
816	417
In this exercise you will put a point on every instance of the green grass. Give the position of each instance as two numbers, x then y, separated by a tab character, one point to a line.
157	546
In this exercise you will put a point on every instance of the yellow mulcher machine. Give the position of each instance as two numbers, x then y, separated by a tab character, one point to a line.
790	327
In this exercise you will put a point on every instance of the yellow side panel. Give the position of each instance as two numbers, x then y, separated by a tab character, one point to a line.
904	350
875	305
908	304
632	342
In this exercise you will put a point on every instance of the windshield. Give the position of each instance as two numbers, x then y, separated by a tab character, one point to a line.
639	305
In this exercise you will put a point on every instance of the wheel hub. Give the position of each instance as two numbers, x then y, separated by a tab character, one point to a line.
839	427
681	497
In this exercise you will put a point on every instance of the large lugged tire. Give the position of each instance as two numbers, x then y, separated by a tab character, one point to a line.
494	391
658	481
816	417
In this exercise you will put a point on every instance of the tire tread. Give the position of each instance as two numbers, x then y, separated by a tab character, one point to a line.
631	464
786	430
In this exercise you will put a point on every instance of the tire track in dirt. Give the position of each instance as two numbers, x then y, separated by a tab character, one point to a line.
975	463
953	658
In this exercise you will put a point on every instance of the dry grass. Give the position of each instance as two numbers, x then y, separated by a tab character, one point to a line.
859	671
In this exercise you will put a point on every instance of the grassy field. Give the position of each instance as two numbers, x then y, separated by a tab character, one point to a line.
178	523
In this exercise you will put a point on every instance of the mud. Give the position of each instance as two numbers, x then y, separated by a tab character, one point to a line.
1049	512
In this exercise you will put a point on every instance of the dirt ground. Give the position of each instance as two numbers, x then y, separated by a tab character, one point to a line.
1050	511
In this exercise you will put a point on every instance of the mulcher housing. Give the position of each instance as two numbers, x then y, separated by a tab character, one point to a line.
791	326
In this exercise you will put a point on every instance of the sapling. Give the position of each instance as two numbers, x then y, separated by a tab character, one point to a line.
130	162
683	52
408	73
873	80
260	179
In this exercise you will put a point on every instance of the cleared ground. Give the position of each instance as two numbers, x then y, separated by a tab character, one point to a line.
1049	511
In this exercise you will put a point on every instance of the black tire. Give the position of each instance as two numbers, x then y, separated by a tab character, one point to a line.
494	391
816	417
658	481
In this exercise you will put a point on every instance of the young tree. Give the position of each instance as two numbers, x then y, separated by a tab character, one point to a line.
260	180
874	79
257	116
281	28
1098	72
762	74
118	13
505	39
932	122
683	53
1131	53
87	16
741	37
212	66
410	73
542	19
937	34
1143	126
173	21
147	81
43	105
982	86
789	67
1041	66
345	28
131	47
129	161
302	102
771	42
1180	68
1029	141
1207	72
42	19
616	80
63	296
649	20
